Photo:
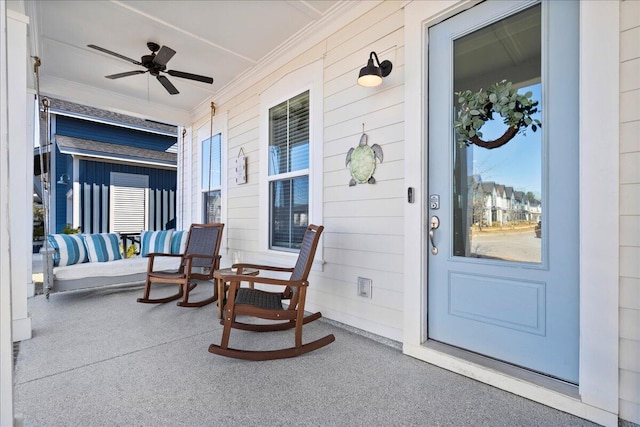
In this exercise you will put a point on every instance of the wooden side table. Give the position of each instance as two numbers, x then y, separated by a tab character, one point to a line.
220	283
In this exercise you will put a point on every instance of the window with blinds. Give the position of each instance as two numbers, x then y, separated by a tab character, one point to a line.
211	182
289	172
128	202
212	207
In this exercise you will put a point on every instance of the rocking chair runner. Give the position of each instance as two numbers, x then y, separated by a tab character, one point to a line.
268	305
202	251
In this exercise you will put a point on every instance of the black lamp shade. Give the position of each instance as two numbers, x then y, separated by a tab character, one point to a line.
371	75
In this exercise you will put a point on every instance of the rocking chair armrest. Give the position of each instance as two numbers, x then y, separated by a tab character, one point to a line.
157	254
187	260
236	280
207	256
263	280
152	257
263	267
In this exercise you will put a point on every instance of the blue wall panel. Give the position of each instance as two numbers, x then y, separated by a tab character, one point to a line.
95	179
94	175
101	132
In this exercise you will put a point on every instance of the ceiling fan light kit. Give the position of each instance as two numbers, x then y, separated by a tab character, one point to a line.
155	63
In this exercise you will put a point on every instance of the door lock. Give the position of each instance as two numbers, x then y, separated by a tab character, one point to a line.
434	201
435	223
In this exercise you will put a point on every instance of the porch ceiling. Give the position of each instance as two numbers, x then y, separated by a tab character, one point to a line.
221	39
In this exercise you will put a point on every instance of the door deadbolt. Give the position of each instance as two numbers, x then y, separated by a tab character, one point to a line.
434	201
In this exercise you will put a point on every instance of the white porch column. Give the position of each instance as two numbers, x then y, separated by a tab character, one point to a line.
6	347
20	179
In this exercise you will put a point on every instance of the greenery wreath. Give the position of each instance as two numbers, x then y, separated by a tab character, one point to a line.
475	109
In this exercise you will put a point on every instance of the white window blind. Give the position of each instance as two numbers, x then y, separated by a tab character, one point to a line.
289	172
128	202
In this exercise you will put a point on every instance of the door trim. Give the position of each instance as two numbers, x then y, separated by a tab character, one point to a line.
599	61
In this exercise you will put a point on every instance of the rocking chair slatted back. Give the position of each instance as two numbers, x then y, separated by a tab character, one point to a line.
202	239
307	252
304	262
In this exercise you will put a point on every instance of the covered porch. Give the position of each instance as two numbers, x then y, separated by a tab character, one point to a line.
99	358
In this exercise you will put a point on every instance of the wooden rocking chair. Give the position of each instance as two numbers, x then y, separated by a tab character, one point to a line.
268	305
199	261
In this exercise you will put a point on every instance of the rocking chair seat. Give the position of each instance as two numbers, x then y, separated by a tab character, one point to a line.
258	298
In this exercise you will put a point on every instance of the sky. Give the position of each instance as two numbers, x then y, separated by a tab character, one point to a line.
518	163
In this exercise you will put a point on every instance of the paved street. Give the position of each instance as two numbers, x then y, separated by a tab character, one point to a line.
508	245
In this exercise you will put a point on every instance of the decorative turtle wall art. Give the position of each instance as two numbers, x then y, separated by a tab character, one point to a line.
361	161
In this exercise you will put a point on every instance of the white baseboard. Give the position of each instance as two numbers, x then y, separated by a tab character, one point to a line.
21	329
31	289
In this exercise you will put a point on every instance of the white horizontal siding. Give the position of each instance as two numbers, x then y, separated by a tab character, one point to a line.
382	117
365	242
629	396
242	200
628	136
363	224
363	209
384	98
384	136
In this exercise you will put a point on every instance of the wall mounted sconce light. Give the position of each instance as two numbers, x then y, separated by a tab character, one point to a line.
64	179
371	75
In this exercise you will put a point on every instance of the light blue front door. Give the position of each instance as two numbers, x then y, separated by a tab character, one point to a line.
503	251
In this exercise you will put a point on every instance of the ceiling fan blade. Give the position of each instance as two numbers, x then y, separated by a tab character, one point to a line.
101	49
167	85
164	55
126	74
203	79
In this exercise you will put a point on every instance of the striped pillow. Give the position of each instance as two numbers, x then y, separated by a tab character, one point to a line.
179	242
69	248
102	247
155	241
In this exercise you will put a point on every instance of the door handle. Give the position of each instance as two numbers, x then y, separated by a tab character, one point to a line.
435	223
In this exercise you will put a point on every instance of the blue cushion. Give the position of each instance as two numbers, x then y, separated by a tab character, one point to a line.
69	249
102	247
155	241
179	242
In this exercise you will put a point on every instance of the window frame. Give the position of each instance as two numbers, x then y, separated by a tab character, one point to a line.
289	85
289	175
203	133
204	191
119	197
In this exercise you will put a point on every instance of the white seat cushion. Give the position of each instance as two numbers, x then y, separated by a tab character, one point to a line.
121	267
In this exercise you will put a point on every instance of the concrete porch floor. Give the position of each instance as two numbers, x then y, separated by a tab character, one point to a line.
99	358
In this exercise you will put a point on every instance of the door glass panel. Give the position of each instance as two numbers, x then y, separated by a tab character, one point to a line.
497	192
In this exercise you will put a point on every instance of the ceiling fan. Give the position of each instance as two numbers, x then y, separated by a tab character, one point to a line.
155	63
